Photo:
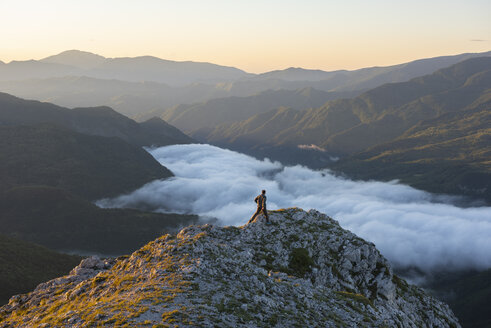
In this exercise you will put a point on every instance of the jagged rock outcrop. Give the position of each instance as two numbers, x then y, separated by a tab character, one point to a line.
303	270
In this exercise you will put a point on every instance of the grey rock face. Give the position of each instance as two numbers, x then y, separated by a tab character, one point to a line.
303	270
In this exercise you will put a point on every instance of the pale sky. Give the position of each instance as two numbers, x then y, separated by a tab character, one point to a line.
253	35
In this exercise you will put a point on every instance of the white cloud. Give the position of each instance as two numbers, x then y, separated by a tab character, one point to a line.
408	226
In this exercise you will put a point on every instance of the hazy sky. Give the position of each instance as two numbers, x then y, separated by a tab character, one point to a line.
255	35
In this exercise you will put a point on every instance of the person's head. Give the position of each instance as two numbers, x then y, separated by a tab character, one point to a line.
264	191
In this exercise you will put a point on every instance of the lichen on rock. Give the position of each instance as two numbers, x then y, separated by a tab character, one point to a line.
302	270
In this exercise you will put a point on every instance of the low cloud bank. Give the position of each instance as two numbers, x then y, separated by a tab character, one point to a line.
410	227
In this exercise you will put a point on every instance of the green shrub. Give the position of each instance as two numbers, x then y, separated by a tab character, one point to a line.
300	262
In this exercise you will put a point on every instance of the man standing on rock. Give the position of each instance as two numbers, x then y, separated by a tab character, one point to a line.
261	206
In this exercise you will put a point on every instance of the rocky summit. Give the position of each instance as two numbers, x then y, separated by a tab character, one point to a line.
302	270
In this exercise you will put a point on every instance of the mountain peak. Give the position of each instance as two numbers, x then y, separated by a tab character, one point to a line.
296	74
301	69
301	270
77	58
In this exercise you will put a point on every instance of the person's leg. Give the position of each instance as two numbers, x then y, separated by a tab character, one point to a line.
255	214
265	212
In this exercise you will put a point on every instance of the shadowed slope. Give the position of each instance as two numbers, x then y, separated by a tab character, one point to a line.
24	265
60	220
100	121
90	166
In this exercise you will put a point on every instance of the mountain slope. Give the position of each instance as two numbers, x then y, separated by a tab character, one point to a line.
449	154
227	110
300	271
161	129
468	294
99	121
60	220
385	117
90	166
24	265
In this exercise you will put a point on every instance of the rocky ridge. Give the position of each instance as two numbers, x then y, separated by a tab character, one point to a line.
302	270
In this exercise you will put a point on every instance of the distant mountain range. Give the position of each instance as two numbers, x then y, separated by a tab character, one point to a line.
142	100
274	113
148	68
136	86
403	122
145	68
348	126
370	77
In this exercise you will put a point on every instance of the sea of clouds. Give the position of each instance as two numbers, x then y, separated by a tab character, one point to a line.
410	227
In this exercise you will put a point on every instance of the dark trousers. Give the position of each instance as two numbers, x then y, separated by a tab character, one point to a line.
259	210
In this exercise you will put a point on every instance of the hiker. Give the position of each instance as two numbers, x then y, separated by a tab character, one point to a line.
261	207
